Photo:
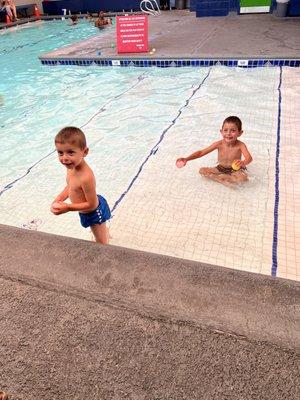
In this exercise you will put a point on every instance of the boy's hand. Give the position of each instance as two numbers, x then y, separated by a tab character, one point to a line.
239	163
59	207
181	162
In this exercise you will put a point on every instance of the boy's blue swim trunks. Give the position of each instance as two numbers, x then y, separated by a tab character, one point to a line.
98	216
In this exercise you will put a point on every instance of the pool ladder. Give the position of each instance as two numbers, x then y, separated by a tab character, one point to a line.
150	7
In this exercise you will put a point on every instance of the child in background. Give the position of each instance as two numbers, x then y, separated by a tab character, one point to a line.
89	17
74	19
93	209
6	11
102	21
231	169
13	8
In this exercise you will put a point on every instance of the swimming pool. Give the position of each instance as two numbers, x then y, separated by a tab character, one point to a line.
137	122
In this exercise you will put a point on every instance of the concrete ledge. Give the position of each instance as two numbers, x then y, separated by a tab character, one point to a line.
81	321
238	303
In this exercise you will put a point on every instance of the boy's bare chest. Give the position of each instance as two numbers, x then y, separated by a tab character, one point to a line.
74	183
229	152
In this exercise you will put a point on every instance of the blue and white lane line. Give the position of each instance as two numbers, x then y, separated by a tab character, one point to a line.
156	146
276	202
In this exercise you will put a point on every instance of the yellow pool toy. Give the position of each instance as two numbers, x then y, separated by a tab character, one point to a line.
234	166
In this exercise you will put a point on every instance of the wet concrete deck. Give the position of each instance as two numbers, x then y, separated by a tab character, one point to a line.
179	34
83	321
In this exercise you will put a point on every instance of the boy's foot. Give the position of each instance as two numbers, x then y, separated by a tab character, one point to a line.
3	396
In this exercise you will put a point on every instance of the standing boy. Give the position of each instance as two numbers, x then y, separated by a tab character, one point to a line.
93	209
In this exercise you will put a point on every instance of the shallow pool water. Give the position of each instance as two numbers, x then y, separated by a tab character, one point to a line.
137	122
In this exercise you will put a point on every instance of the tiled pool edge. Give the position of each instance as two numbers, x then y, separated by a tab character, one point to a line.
172	62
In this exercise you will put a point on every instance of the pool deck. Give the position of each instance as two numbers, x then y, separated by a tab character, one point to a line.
180	35
79	323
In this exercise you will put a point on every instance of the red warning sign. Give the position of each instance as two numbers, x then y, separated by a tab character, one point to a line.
132	34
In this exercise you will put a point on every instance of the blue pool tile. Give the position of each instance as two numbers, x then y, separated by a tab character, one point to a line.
252	63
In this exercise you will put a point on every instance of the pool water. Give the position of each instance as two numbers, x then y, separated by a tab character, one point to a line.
137	122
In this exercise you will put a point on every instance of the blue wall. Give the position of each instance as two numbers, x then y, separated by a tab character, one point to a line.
294	7
233	4
212	8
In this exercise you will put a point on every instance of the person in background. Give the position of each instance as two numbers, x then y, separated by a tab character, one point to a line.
102	21
6	11
74	19
165	4
89	17
12	6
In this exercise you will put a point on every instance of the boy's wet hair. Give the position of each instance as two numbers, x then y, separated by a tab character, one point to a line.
234	120
72	135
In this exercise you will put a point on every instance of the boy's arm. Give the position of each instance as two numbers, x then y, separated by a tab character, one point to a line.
58	200
200	153
88	187
247	156
63	195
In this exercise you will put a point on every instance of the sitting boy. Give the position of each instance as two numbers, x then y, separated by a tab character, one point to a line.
231	169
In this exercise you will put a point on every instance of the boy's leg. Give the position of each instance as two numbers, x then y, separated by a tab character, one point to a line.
215	175
100	233
205	171
230	180
239	176
222	178
226	179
